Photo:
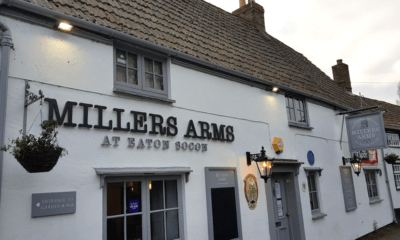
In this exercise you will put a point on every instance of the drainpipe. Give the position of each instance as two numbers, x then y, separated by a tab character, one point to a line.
6	44
388	186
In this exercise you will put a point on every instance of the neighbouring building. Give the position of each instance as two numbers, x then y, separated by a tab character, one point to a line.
158	103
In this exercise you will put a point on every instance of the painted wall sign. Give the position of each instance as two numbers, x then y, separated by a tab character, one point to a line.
368	157
310	158
251	190
48	204
366	131
154	143
349	195
278	145
156	125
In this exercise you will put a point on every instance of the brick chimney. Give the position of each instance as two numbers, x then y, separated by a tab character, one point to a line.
341	75
252	12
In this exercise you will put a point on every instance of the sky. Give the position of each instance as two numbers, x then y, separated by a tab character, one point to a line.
364	33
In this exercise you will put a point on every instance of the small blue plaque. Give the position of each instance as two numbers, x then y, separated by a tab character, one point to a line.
310	157
133	206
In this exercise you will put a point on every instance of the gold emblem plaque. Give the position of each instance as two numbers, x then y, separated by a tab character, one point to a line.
251	190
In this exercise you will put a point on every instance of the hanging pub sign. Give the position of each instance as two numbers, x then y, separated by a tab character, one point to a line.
368	157
366	131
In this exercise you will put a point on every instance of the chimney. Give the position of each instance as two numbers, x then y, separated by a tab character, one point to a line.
252	12
341	75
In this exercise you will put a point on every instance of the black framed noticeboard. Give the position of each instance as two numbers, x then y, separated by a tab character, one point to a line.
223	209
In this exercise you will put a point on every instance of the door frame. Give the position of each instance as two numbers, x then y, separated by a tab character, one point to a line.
296	223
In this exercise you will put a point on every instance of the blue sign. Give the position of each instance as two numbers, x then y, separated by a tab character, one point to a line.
133	206
310	157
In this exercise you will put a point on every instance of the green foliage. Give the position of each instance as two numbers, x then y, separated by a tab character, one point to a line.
391	158
46	140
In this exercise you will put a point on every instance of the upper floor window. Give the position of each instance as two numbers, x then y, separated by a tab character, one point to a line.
393	140
140	74
396	173
296	110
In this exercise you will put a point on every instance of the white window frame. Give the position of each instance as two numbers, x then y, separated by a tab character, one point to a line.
396	175
372	172
146	231
313	173
294	121
141	90
393	139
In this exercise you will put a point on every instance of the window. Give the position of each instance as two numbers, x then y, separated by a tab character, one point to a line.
372	187
393	140
313	192
313	174
296	110
140	74
142	208
396	173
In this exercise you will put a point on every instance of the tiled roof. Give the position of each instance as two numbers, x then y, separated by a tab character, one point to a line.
205	31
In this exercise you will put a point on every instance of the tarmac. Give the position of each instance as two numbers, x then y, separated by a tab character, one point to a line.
388	232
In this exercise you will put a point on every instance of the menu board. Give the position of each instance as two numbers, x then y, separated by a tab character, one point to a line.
349	195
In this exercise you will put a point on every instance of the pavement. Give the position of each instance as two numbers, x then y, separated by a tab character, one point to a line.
388	232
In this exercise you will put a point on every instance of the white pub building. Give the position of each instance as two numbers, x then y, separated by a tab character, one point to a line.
173	114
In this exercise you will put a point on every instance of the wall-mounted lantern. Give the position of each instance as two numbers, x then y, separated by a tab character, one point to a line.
264	165
355	163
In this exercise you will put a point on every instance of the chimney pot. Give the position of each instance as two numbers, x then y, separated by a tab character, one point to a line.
242	3
341	75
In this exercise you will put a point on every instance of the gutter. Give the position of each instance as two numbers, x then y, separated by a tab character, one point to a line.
388	186
6	44
111	33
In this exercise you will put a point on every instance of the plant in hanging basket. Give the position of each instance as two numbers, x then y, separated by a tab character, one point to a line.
391	158
37	154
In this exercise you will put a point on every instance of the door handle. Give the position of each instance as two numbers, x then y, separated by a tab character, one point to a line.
287	214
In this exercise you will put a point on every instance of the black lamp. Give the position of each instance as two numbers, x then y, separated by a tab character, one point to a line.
264	165
355	163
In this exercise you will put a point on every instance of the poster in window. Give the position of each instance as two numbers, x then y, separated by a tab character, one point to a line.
280	208
133	206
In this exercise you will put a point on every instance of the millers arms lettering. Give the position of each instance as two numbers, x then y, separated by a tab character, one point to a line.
157	126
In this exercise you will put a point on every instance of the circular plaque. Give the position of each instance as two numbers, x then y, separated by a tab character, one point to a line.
251	190
310	157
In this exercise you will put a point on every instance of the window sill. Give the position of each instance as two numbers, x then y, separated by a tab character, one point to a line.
163	99
375	201
299	125
318	216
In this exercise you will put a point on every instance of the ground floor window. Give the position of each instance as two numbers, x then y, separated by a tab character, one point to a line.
141	208
313	192
372	187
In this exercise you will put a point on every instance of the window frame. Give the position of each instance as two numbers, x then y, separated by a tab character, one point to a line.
393	139
304	110
141	89
372	172
396	172
313	175
146	219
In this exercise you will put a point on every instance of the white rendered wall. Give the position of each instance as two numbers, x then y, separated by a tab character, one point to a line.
68	68
395	192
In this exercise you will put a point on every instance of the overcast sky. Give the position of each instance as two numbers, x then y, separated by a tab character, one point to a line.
364	33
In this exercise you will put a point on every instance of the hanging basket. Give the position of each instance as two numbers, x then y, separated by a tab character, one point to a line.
391	158
39	160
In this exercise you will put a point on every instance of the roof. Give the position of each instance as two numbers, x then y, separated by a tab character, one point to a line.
200	29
